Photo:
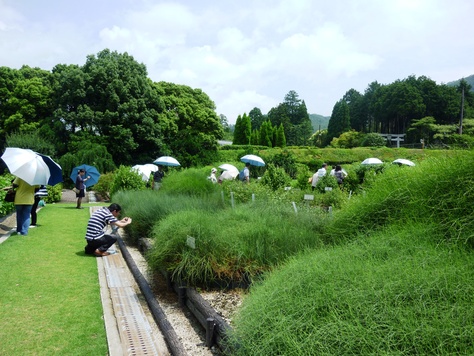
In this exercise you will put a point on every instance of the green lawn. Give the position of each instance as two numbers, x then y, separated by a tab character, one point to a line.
49	296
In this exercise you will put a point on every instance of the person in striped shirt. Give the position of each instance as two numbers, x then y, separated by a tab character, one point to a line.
98	242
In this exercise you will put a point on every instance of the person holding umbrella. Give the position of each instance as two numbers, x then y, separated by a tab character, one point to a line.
80	187
24	199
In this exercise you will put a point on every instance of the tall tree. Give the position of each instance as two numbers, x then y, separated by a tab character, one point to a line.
190	125
339	121
256	118
242	130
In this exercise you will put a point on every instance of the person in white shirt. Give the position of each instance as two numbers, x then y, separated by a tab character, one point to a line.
320	173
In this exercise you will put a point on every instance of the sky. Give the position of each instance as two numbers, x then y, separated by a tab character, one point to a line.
246	54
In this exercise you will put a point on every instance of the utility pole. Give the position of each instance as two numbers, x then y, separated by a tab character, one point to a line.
462	111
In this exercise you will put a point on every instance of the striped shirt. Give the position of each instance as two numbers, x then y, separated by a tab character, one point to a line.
97	223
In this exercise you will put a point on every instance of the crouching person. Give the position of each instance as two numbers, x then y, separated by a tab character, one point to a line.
97	241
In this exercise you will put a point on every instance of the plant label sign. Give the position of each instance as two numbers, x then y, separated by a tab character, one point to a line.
191	242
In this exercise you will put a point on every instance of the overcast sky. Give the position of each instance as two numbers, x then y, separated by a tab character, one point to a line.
247	54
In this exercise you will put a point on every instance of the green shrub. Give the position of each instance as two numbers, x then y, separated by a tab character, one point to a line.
5	181
55	193
104	185
275	177
190	181
126	179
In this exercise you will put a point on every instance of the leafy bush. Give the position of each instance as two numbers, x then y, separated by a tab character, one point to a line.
126	179
275	177
373	139
104	185
55	193
285	160
5	181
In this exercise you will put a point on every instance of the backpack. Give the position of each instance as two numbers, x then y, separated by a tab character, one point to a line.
242	175
340	177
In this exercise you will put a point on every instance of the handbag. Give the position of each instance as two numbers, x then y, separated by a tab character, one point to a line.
75	190
10	196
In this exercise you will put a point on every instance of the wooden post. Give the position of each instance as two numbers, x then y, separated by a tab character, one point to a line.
210	324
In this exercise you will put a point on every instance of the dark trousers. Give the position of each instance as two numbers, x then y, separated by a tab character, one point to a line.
101	244
33	210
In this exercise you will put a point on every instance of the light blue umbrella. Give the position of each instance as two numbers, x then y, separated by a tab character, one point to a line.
253	160
167	161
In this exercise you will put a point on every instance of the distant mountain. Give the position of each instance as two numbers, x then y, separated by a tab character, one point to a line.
469	80
319	122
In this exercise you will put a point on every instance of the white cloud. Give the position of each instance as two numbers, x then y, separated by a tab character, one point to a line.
251	53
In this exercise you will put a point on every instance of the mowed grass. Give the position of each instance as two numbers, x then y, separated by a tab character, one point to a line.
50	297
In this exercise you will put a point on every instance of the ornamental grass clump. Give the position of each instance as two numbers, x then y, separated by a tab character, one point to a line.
230	244
393	292
436	190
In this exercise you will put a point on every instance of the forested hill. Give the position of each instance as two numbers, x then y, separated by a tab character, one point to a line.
469	80
319	121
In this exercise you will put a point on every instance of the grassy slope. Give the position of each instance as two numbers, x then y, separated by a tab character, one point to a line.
397	281
50	299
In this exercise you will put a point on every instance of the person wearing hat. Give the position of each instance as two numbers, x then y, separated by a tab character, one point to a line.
213	177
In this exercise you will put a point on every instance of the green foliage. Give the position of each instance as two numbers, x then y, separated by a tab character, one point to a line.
126	179
5	181
435	191
242	130
191	182
285	160
349	139
230	244
395	292
31	140
372	140
55	193
104	185
275	177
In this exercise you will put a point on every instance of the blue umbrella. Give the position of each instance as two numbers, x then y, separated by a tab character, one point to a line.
253	160
90	171
54	169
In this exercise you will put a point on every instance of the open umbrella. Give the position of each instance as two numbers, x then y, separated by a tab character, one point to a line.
166	161
253	160
27	165
226	175
145	170
55	170
233	170
369	161
90	171
403	161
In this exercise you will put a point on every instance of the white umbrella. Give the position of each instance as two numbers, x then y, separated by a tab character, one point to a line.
27	165
233	170
167	161
406	162
145	170
227	175
253	160
372	161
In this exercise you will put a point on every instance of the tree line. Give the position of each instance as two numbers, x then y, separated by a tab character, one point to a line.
416	106
106	111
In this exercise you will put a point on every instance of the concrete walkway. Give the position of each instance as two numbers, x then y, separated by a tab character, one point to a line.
130	328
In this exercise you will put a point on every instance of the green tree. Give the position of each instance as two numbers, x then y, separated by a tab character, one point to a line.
339	121
242	130
190	125
256	118
265	136
280	139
